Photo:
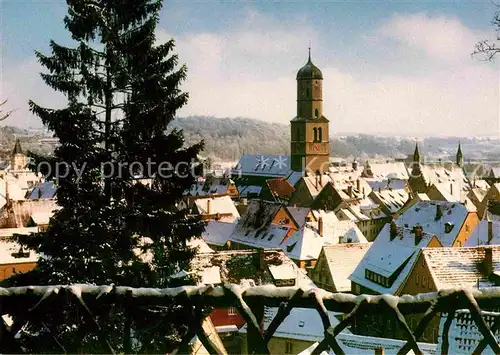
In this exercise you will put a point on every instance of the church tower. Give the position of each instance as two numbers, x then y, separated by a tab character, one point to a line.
18	160
309	129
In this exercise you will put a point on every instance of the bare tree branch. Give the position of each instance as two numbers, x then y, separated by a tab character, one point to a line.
5	115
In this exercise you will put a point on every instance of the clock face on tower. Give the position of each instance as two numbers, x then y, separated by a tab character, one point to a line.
317	147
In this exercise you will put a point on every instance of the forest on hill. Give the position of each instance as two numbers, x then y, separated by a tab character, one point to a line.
229	138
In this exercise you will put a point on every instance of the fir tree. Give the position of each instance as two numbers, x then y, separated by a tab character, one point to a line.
123	91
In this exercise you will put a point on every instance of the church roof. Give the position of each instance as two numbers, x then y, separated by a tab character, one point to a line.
17	148
309	71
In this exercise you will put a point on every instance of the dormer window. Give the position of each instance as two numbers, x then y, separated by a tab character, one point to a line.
448	227
301	324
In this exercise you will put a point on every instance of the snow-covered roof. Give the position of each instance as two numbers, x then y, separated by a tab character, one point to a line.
7	232
41	218
477	193
386	184
360	344
460	267
200	245
463	335
333	227
393	200
214	205
393	170
218	232
9	249
342	259
13	186
263	165
211	275
480	184
424	213
440	173
480	234
392	259
206	186
301	324
365	209
299	214
495	172
449	192
46	189
283	271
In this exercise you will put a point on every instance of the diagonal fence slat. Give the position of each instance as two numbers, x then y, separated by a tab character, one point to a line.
283	312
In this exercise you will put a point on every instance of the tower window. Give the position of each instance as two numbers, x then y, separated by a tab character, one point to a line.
315	131
316	113
307	92
320	138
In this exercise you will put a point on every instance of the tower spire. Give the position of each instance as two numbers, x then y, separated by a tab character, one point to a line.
309	51
459	156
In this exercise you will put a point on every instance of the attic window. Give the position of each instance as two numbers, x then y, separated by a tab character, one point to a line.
301	324
289	248
448	227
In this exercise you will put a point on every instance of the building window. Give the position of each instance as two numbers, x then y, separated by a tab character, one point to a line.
231	311
466	228
288	347
320	135
316	113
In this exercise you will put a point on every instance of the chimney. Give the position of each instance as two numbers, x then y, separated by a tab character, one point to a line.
316	181
439	212
320	226
488	261
379	351
209	210
451	188
358	185
354	165
7	197
349	190
418	234
490	231
393	230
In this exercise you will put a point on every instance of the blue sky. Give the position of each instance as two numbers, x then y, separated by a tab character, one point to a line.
397	67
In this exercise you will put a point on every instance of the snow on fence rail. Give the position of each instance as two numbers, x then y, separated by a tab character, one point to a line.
251	300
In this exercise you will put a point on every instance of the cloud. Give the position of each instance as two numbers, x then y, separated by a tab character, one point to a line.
21	82
414	75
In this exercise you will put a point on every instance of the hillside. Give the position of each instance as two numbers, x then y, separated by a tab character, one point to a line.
228	138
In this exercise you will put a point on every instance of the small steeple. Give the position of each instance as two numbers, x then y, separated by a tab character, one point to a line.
416	154
460	156
309	60
17	148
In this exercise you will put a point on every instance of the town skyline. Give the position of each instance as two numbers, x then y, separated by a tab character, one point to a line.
250	53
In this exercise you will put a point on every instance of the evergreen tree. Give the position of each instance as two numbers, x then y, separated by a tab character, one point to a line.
123	91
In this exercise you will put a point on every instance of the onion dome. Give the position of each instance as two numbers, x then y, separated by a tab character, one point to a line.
309	71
